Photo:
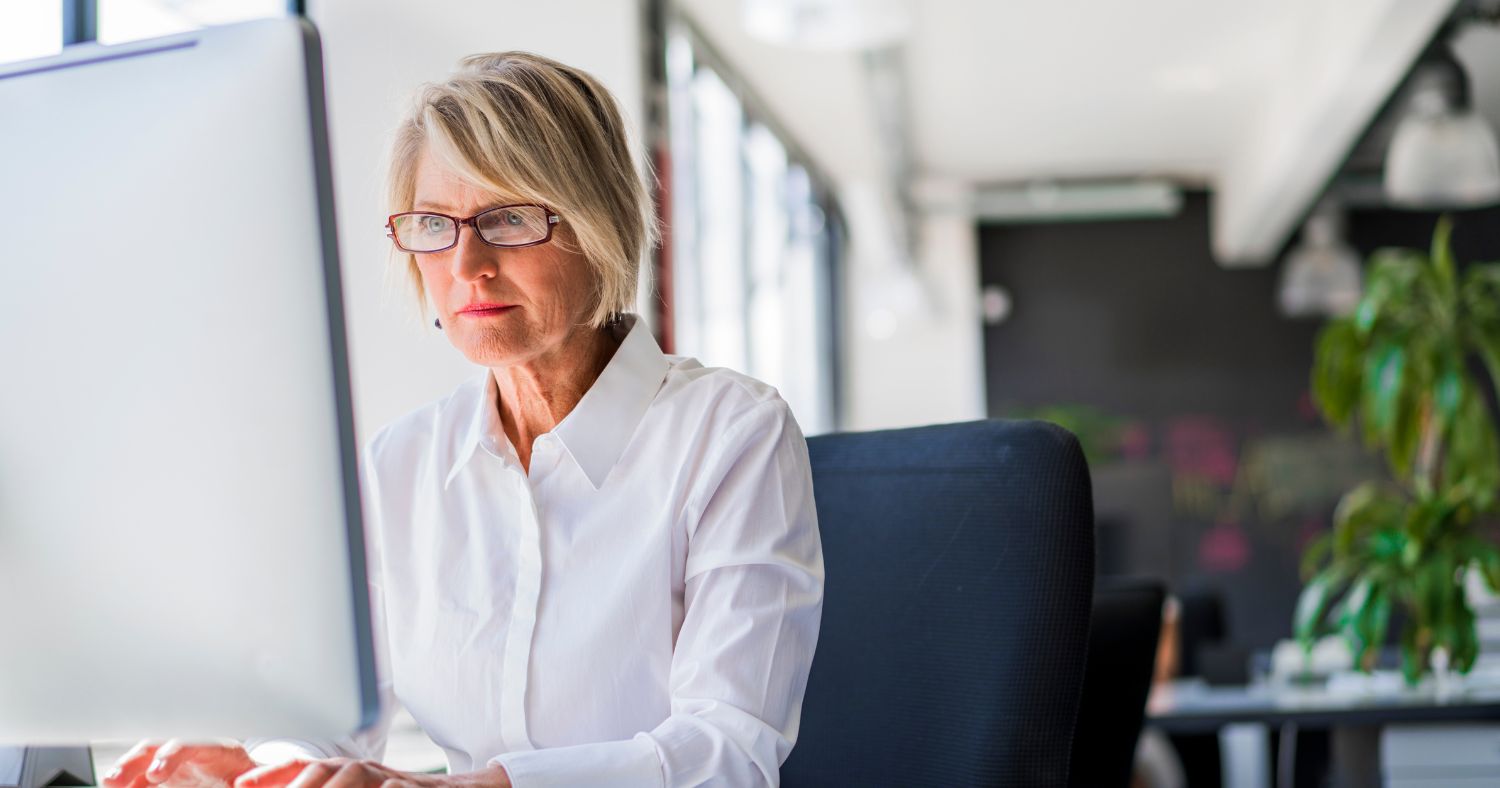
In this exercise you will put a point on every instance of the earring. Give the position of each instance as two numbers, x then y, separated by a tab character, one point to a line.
436	323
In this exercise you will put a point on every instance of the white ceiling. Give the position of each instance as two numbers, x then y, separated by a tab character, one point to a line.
1257	101
821	98
1016	90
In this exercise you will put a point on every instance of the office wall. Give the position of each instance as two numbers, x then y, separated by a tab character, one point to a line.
1222	470
376	53
912	352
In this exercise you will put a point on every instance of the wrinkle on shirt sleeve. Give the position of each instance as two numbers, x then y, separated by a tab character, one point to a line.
753	598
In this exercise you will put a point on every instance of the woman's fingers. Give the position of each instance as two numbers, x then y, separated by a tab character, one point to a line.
360	774
314	775
131	765
331	773
285	775
169	758
222	760
272	776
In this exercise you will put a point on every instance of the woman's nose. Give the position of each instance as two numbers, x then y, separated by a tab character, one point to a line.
473	258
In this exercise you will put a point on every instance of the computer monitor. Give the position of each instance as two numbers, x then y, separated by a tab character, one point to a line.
181	551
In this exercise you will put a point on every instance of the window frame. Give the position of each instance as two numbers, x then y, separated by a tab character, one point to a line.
81	19
832	241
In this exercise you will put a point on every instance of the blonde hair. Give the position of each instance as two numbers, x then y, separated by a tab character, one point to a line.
529	128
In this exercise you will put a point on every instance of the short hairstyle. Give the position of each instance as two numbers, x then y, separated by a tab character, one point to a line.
529	128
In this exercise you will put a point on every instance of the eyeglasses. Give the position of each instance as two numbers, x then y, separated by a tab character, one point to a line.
507	226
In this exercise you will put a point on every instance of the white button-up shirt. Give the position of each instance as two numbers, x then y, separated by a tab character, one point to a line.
640	608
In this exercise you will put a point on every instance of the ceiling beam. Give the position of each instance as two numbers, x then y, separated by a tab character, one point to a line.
1345	60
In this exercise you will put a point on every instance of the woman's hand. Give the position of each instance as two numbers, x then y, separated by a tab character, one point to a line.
349	773
180	764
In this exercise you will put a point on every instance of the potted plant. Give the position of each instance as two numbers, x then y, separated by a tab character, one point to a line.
1409	366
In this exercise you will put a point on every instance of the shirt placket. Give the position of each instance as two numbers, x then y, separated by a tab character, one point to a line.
522	620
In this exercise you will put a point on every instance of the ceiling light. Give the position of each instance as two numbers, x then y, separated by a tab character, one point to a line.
1443	154
1321	275
1041	201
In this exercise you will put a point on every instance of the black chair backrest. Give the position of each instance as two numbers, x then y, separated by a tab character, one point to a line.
1122	657
959	566
1200	628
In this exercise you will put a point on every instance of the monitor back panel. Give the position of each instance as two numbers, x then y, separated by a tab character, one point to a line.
180	545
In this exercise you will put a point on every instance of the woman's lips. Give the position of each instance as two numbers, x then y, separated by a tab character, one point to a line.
487	310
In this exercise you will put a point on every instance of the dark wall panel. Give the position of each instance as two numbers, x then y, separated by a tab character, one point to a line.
1218	469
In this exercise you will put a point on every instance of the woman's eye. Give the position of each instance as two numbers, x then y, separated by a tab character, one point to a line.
514	219
434	224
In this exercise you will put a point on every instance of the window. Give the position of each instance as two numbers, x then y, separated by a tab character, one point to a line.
128	20
37	28
31	29
754	240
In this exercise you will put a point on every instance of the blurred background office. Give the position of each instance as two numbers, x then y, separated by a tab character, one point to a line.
1128	218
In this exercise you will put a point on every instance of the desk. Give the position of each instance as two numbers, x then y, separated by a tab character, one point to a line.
1191	706
1354	715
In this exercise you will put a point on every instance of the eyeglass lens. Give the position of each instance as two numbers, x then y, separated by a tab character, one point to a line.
506	226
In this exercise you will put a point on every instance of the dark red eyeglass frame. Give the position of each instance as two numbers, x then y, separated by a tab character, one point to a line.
472	222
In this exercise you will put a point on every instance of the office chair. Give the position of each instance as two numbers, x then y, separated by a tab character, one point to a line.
1123	634
959	564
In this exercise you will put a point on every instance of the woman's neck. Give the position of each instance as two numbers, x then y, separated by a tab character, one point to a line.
537	395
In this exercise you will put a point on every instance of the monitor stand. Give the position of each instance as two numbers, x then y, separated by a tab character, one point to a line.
40	767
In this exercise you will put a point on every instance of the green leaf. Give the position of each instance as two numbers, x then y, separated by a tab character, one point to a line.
1391	272
1382	390
1449	391
1452	620
1372	624
1480	298
1465	647
1434	578
1388	545
1424	521
1368	310
1472	455
1312	602
1354	603
1405	436
1488	559
1313	555
1442	253
1413	654
1395	291
1337	371
1367	507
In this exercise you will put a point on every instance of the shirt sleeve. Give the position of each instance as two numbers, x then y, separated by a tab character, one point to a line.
753	600
367	744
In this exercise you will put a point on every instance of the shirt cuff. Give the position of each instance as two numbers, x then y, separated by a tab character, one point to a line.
630	763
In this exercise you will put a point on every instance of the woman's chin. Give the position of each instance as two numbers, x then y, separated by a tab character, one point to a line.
496	349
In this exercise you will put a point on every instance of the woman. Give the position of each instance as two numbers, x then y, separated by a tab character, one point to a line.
593	564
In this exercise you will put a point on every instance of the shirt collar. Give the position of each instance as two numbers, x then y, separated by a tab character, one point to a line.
600	426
